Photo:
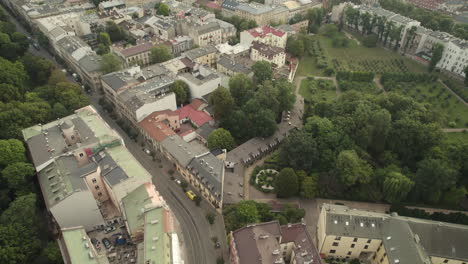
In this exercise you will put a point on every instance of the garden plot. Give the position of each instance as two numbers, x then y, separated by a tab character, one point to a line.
318	90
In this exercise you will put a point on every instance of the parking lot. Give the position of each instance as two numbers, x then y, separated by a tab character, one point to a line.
114	242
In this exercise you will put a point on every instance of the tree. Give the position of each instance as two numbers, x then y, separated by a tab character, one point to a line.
12	73
9	93
352	169
18	175
197	200
110	63
437	51
262	71
38	69
396	187
182	91
329	30
310	187
295	47
286	184
221	139
104	39
52	253
210	216
247	212
12	151
466	75
286	95
160	53
163	10
59	110
433	177
241	88
222	102
370	41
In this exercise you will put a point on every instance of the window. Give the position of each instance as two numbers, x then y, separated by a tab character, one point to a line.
353	245
381	259
99	193
96	187
368	241
94	180
332	251
349	253
81	155
446	261
335	244
366	247
337	238
355	240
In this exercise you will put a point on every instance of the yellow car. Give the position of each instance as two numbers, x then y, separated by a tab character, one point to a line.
191	195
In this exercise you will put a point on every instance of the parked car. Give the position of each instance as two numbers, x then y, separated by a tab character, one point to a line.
178	181
106	243
191	195
109	229
36	45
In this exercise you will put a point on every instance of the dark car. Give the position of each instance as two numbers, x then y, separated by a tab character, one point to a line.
106	243
36	45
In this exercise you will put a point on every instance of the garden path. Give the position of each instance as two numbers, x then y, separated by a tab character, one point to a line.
379	84
449	130
338	91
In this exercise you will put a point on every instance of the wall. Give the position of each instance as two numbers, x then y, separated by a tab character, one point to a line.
344	246
99	183
197	91
78	209
168	101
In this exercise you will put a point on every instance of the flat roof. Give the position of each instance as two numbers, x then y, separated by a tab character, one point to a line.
79	247
156	241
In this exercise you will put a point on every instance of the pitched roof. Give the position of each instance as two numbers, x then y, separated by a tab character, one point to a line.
264	31
305	250
196	116
132	51
267	50
157	129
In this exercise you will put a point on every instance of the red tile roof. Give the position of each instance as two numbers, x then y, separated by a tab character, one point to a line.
214	6
196	116
197	104
264	31
132	51
156	130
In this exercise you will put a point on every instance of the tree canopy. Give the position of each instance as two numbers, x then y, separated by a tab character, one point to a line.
110	63
160	54
182	92
221	139
286	184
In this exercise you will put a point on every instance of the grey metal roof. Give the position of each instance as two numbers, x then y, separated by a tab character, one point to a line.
147	92
231	64
91	63
210	172
230	5
200	52
180	150
71	43
113	80
205	130
112	173
254	8
409	240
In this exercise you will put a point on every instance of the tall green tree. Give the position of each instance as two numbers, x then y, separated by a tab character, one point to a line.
466	75
310	187
12	151
286	183
241	88
222	102
18	175
182	92
110	63
437	51
221	139
38	68
352	169
160	54
433	177
396	187
262	71
163	10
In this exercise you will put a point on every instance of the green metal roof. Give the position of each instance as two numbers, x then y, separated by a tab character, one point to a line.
80	248
135	205
157	243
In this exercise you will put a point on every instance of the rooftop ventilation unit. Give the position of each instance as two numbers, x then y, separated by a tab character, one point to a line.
154	222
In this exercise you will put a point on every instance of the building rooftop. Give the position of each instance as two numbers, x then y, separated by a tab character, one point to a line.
200	52
291	5
199	77
267	50
210	171
230	5
79	247
157	247
198	117
261	32
137	203
112	3
254	8
225	48
158	130
398	233
258	243
181	150
234	66
137	49
205	130
305	251
91	63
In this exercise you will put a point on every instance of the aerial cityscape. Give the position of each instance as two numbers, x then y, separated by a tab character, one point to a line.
233	131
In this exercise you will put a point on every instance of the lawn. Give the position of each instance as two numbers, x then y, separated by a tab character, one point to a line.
440	98
457	137
319	90
308	66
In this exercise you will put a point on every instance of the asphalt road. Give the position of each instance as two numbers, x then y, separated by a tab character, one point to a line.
197	233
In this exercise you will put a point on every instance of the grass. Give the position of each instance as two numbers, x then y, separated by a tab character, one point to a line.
363	87
308	66
440	98
457	137
319	90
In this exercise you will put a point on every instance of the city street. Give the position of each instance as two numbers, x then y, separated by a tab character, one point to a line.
197	233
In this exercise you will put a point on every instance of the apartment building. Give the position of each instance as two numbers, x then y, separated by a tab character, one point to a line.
76	247
134	55
136	93
427	4
165	28
159	125
262	14
228	30
180	44
111	4
202	81
202	55
377	238
263	52
266	243
229	7
455	57
231	67
233	51
205	34
266	34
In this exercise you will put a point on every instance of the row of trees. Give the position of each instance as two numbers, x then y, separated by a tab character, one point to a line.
430	19
355	76
250	212
254	104
377	147
32	91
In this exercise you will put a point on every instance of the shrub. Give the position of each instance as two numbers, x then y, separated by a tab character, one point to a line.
370	41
